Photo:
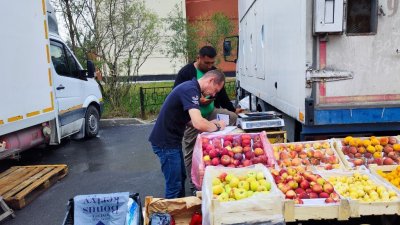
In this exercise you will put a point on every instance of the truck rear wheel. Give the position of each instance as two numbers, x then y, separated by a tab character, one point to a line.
92	119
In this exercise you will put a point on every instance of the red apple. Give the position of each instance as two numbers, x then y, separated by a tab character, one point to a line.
227	143
328	188
225	160
246	149
317	188
353	150
257	138
293	154
257	145
228	138
318	154
246	142
304	195
299	190
238	156
388	161
247	162
224	151
285	188
249	155
213	153
236	162
323	195
222	176
215	162
290	194
304	184
298	201
231	165
358	162
313	195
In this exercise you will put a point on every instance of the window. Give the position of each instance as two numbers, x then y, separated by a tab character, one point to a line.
63	61
362	17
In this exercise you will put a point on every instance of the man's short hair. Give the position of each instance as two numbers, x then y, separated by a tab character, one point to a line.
217	74
208	51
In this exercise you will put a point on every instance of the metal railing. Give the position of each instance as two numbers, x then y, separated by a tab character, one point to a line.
151	98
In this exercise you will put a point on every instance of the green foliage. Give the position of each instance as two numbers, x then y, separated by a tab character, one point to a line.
186	38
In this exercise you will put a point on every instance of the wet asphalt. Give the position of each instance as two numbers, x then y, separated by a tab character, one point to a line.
120	159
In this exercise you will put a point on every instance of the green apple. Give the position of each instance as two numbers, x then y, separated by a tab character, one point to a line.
215	181
217	189
254	185
223	197
252	174
228	188
240	194
250	193
244	185
229	177
234	182
260	176
251	179
261	188
265	183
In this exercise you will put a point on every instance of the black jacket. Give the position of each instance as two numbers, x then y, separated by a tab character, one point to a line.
189	71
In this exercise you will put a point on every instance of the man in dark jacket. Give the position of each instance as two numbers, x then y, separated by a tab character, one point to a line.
180	107
209	108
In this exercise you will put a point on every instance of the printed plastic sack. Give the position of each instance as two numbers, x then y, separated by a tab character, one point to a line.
261	208
101	209
198	165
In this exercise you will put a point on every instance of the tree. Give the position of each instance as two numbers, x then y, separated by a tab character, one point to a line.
120	35
186	38
182	43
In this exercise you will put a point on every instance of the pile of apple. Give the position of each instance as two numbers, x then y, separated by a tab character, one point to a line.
233	151
228	187
318	154
361	187
372	150
298	184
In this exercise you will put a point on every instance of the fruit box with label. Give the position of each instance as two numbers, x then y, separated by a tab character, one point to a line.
308	195
367	195
231	150
240	195
387	173
358	151
320	155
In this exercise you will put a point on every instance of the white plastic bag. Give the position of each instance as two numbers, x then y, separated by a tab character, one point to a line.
104	209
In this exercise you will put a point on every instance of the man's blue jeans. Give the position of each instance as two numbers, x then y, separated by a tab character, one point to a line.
173	168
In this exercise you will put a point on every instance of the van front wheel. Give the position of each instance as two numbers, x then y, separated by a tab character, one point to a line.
92	122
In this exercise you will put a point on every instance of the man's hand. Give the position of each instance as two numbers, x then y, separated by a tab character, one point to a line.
205	101
220	123
239	110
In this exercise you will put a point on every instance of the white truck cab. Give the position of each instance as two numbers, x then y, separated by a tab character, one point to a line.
45	93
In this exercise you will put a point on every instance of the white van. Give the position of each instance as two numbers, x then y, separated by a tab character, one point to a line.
45	95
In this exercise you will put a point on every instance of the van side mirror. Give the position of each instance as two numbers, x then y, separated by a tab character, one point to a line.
227	48
90	68
231	48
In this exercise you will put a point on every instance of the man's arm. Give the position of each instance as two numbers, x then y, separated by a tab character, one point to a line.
183	75
223	101
202	124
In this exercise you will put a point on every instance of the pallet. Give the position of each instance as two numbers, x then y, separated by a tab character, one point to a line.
20	185
6	211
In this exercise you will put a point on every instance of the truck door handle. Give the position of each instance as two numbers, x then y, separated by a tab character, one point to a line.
60	87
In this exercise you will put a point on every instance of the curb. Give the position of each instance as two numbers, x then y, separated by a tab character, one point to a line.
122	122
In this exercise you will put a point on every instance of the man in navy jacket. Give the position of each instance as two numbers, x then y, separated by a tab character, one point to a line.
209	108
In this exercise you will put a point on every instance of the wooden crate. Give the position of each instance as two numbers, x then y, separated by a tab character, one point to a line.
263	211
277	136
20	185
182	214
293	212
385	168
358	208
258	208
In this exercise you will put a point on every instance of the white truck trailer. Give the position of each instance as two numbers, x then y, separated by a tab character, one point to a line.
45	95
332	67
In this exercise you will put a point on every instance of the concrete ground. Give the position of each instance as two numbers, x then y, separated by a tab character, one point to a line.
119	159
